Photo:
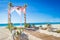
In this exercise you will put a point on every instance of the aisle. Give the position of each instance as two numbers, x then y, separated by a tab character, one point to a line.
42	35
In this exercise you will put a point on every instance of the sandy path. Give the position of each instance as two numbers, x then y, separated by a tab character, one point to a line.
42	36
5	34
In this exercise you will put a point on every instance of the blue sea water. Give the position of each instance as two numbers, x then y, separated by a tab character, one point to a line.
22	24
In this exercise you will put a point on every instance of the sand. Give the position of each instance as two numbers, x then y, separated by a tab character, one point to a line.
5	34
42	35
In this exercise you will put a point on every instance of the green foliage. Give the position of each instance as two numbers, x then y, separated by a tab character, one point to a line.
18	33
48	24
27	25
58	31
10	26
40	26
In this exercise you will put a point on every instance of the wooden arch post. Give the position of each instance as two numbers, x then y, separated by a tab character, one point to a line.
9	15
25	14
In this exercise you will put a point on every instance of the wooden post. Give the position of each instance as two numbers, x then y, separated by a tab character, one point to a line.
9	15
25	14
24	18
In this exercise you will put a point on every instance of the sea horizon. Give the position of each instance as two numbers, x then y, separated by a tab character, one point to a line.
22	24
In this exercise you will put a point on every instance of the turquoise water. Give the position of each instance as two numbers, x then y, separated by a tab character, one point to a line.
22	24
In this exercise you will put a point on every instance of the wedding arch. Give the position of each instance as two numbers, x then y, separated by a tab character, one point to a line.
18	9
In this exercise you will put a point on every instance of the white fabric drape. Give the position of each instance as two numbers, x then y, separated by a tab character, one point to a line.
19	10
15	9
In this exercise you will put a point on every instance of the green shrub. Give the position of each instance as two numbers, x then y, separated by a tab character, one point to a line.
10	26
48	24
40	26
58	31
27	25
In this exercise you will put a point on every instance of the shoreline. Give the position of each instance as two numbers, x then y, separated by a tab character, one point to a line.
44	25
18	24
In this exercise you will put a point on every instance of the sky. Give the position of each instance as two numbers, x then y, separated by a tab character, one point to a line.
37	11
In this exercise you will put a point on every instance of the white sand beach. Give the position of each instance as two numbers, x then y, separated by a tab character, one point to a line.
34	35
55	27
5	34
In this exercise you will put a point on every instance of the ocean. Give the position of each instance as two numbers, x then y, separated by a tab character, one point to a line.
22	24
